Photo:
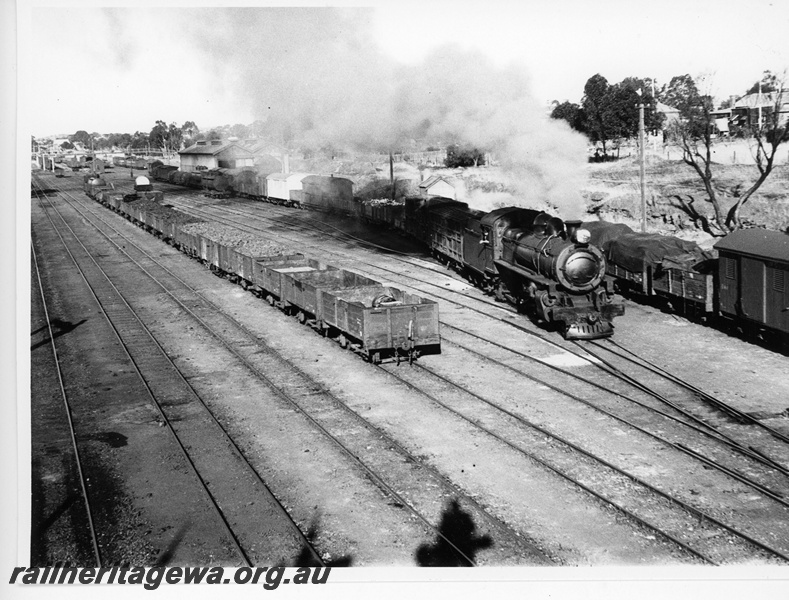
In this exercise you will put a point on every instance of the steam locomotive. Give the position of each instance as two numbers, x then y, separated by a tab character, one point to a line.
544	266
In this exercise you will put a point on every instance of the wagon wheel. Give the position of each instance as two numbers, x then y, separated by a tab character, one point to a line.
302	318
270	299
343	341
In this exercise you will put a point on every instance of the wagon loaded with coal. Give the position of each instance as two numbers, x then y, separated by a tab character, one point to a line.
377	321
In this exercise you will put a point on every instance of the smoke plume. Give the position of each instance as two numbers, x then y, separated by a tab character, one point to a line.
316	75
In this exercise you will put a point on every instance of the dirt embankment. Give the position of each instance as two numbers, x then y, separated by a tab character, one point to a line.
614	194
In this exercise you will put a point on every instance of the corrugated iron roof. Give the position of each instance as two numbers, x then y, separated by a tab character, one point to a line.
213	150
764	100
433	179
665	108
765	243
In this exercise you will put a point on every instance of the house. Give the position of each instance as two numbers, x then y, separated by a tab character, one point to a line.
437	185
671	114
747	111
215	154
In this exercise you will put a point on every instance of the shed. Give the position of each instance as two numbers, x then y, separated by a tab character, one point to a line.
215	154
438	185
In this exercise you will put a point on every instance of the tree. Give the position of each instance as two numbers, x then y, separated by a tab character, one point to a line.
636	90
82	136
189	131
240	131
594	103
572	113
140	140
611	111
101	143
769	83
158	135
766	137
464	156
119	140
694	134
693	131
174	137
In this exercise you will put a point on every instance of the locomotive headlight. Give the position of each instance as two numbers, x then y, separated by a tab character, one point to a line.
582	236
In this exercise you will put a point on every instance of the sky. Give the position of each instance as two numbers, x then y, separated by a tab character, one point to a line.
120	70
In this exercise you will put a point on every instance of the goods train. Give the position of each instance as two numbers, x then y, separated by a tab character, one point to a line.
745	288
130	162
377	321
545	267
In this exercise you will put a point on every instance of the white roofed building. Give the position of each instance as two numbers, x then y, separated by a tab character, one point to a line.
438	185
215	154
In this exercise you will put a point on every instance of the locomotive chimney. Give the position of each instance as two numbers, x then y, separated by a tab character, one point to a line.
572	227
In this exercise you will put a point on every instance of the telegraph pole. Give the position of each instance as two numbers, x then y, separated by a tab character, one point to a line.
641	158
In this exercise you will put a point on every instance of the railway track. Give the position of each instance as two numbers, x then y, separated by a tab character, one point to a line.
693	411
223	475
325	412
704	429
89	526
700	546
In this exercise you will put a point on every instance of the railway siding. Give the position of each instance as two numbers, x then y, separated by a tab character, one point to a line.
473	461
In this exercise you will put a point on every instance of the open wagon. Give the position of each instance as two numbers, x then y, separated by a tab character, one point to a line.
238	266
270	272
304	290
381	321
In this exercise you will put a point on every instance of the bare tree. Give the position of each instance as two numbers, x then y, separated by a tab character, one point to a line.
766	137
694	130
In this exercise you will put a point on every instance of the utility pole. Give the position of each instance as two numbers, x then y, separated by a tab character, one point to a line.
641	162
